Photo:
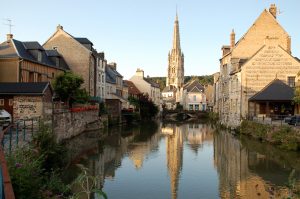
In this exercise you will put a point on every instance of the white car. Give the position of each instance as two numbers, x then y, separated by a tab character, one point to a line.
5	118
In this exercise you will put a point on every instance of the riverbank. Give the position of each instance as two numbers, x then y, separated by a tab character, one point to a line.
284	137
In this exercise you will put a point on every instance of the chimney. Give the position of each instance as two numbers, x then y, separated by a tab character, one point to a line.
113	65
232	39
139	73
273	10
9	36
59	27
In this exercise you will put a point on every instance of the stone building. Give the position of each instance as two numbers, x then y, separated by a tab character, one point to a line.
247	66
27	100
147	86
28	62
82	59
176	60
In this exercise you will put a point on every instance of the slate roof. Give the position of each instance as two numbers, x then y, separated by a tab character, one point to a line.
153	84
132	89
23	50
274	91
52	53
169	88
83	40
193	86
111	74
31	88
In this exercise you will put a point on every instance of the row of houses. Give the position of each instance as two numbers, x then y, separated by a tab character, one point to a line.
257	73
28	64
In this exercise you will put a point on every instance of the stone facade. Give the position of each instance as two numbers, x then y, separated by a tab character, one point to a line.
260	56
69	124
176	60
147	86
78	54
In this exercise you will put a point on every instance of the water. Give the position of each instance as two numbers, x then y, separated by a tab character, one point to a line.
180	161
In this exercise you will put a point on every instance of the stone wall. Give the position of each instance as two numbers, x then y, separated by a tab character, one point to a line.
69	124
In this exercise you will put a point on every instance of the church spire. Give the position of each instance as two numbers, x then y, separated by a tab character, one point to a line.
176	37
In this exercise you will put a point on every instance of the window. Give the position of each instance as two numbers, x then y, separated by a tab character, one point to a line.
291	81
191	107
10	102
52	75
57	61
31	77
196	107
195	97
1	102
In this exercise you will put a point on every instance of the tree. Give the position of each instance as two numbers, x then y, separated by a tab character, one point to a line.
147	108
67	87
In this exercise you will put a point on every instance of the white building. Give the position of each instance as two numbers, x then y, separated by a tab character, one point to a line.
192	96
147	86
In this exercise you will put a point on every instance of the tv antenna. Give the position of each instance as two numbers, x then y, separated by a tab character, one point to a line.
9	24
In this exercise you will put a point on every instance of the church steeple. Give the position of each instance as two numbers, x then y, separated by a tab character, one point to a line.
176	60
176	37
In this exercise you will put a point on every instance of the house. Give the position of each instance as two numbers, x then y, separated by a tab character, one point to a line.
82	59
29	62
147	86
169	97
249	65
133	91
193	96
114	85
24	100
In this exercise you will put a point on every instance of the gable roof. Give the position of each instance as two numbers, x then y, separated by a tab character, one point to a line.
169	88
265	12
152	83
21	88
193	86
18	49
276	90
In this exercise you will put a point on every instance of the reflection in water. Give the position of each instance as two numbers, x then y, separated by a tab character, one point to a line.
129	163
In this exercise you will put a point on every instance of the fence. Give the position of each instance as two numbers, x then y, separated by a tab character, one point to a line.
11	137
277	120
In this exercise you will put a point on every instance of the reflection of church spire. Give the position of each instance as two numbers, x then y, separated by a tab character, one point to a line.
174	159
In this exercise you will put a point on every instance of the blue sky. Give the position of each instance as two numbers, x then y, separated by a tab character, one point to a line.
138	33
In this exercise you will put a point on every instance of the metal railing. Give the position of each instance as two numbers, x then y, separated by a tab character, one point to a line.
13	135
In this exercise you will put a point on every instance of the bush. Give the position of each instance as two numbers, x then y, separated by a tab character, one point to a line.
257	130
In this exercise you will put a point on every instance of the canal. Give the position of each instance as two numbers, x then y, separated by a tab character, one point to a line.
190	160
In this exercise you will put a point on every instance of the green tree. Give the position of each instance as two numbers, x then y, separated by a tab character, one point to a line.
67	87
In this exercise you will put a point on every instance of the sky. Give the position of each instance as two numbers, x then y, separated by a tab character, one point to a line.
138	33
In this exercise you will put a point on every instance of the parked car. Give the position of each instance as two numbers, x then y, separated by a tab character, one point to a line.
5	118
295	120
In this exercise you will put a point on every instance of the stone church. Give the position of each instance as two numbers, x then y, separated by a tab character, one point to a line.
253	72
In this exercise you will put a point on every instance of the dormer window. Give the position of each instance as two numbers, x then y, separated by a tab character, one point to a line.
39	56
57	62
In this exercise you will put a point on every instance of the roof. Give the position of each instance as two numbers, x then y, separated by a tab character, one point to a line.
169	88
31	88
18	49
111	74
83	40
52	53
276	90
153	84
193	86
132	89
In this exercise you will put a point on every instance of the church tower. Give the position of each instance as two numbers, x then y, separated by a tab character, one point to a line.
176	60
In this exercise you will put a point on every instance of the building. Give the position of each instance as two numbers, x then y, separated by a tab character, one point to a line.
82	59
249	65
176	60
114	85
169	97
133	91
29	62
192	96
209	93
27	100
147	86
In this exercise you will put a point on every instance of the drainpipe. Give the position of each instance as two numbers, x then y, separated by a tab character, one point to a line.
19	75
